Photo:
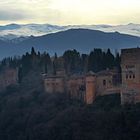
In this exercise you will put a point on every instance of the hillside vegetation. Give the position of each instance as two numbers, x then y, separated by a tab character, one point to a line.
28	113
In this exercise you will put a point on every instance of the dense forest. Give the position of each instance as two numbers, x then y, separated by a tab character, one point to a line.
71	61
28	113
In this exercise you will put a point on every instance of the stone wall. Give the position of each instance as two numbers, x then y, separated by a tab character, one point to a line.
54	84
8	76
83	87
76	87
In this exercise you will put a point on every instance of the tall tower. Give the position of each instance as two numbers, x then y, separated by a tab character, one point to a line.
90	88
130	64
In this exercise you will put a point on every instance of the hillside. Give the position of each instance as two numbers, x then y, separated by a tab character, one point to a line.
6	49
28	113
35	115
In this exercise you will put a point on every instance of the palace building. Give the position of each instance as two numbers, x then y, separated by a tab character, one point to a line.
83	87
88	86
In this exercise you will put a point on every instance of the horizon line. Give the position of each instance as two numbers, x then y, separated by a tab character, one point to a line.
68	24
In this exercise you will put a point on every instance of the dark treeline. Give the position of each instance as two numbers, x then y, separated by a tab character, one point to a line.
71	61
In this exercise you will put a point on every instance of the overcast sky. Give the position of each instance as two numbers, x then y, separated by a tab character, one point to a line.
63	12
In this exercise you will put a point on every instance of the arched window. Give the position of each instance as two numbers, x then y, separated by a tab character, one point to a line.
104	82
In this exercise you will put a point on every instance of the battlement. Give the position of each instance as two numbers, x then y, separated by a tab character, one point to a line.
130	55
130	50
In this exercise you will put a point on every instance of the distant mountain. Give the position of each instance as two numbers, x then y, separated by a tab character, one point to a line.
12	31
6	49
132	29
83	40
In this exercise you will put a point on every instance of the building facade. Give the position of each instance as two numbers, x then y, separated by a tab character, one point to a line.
82	87
130	64
76	87
55	84
108	82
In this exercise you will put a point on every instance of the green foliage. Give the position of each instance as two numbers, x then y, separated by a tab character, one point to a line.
95	60
109	59
99	60
71	61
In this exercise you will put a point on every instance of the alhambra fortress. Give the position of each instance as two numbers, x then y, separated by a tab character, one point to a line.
86	87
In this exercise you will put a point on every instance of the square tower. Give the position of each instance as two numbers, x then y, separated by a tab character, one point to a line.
130	64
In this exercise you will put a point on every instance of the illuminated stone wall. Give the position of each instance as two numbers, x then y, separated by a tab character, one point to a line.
83	87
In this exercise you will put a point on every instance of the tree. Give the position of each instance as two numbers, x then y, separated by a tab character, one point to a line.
84	63
95	60
33	51
110	60
72	61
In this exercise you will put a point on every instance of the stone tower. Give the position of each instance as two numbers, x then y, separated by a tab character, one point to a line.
130	64
90	81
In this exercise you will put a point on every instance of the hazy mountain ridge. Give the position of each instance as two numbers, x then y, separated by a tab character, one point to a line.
12	31
83	40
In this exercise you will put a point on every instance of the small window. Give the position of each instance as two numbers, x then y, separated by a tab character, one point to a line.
126	76
130	76
104	82
134	76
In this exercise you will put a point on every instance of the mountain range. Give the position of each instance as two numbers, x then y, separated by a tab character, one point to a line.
12	31
83	40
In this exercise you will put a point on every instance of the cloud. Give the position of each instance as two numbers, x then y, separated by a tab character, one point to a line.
13	15
23	10
69	11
